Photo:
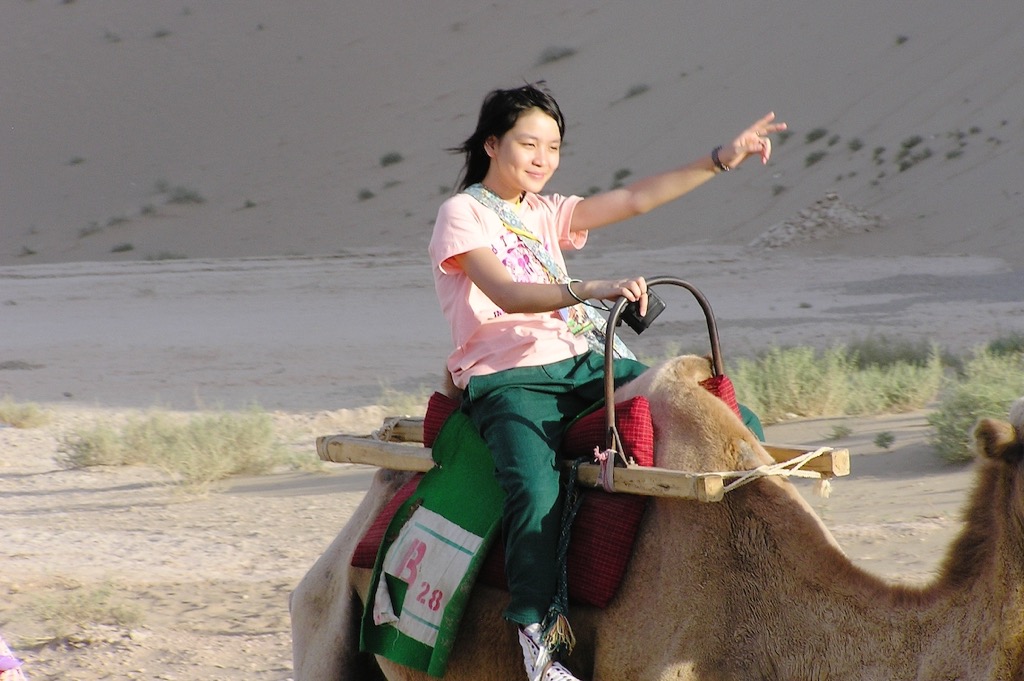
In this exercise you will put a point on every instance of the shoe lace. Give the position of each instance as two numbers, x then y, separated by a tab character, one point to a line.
537	658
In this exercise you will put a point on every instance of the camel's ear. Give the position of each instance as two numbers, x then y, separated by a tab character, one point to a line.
998	440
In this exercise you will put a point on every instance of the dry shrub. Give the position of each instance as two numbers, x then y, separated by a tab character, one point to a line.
194	452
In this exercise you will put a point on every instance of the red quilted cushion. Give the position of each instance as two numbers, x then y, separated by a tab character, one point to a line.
439	408
632	418
366	551
601	546
605	527
633	421
721	387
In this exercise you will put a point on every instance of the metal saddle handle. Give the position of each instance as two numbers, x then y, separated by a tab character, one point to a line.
614	442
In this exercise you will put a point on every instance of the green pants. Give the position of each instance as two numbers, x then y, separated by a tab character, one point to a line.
752	422
522	414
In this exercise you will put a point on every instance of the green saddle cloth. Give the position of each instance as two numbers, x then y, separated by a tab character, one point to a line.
432	552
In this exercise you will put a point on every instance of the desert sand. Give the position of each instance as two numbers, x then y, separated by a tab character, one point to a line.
213	205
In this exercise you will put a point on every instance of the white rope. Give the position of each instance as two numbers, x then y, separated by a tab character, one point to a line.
793	467
606	473
386	430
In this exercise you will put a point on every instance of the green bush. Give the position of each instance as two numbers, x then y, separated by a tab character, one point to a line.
989	383
553	54
880	376
793	381
20	415
911	142
194	452
184	196
70	611
814	157
89	230
884	440
637	90
839	431
883	351
895	388
1007	345
815	135
789	382
99	445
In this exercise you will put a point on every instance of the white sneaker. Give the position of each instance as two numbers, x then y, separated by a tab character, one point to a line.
537	657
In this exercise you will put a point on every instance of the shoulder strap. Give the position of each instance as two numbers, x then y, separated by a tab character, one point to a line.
501	207
511	220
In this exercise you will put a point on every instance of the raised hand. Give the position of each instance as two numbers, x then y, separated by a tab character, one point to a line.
754	141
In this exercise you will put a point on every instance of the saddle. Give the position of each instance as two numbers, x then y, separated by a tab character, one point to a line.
441	531
606	525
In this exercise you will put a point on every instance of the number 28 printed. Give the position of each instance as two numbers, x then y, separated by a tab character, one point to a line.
411	559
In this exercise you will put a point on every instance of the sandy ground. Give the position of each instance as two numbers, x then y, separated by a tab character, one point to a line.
208	577
314	341
317	334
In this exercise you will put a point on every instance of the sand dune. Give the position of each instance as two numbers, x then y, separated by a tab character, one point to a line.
281	117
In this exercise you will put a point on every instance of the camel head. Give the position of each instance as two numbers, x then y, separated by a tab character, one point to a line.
693	429
1000	448
993	536
992	544
1001	441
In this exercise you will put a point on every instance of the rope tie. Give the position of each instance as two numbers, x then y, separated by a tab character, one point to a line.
606	472
557	634
386	430
791	468
824	487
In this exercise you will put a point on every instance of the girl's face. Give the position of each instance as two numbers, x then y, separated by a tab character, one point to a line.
525	157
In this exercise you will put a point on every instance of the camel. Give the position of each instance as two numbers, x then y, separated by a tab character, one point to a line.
751	587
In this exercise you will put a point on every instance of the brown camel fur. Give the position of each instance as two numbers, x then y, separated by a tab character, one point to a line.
752	587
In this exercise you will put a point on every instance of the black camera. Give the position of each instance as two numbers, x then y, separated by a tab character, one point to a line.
631	313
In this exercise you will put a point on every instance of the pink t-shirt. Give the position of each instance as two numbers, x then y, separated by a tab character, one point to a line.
486	338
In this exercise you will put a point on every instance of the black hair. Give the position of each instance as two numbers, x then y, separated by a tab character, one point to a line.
498	114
